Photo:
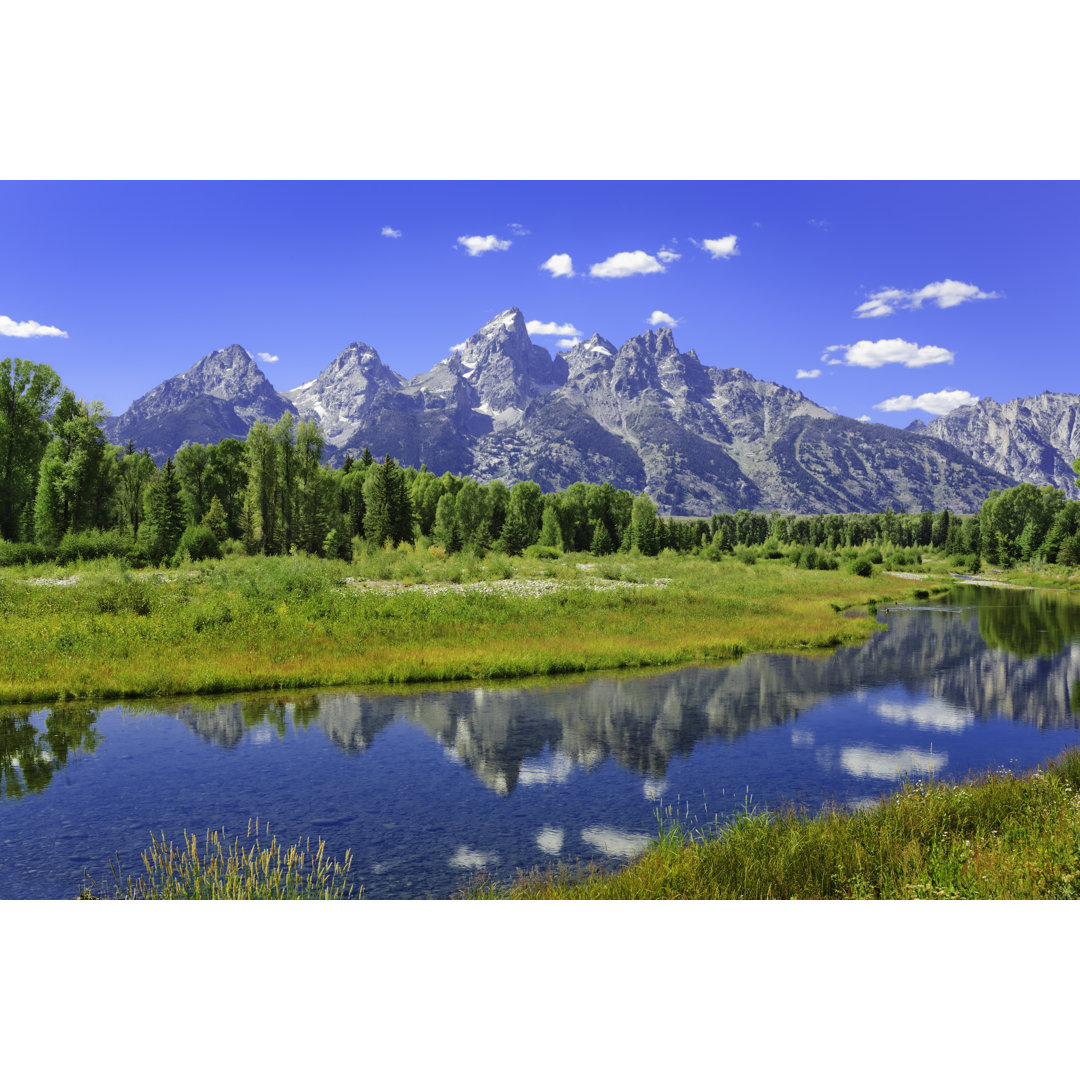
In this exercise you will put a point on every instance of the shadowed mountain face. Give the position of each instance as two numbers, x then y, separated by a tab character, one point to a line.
1034	440
644	417
988	653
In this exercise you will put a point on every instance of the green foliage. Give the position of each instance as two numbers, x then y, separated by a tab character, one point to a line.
163	514
389	511
78	472
862	566
198	542
1001	837
28	392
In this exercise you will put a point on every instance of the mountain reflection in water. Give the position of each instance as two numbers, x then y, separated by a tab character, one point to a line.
985	652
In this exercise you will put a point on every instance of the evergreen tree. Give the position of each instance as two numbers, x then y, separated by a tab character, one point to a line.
643	526
164	514
514	537
388	513
602	543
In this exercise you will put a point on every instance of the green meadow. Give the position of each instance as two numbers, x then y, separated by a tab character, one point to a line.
101	630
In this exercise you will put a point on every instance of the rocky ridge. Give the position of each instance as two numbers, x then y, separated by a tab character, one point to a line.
643	416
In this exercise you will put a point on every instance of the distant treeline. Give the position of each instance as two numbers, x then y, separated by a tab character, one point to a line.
66	493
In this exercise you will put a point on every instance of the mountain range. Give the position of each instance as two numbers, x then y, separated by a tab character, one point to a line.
644	416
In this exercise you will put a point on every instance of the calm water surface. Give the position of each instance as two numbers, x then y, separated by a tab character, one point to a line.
429	788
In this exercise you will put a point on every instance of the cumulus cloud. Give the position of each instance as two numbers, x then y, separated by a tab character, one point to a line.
666	256
875	354
551	329
268	358
459	347
802	373
559	266
658	317
518	229
28	329
625	264
722	248
567	342
864	419
944	401
477	245
388	231
945	294
891	764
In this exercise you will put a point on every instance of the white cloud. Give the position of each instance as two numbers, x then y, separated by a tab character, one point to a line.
477	245
550	840
267	358
666	256
802	373
890	765
559	266
567	342
819	223
616	842
945	294
658	317
864	419
466	858
932	715
625	264
28	329
388	231
550	329
944	401
875	354
459	347
722	248
518	229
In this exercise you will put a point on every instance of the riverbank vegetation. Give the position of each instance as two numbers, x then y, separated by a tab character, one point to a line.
406	615
1000	837
261	869
66	495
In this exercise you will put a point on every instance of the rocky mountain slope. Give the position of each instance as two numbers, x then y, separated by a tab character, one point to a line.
644	416
218	398
1034	440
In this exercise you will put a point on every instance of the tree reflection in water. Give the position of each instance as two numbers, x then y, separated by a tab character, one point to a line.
29	757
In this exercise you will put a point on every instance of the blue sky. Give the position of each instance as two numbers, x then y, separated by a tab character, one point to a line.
894	293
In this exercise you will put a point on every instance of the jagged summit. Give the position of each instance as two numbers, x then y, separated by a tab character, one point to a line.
219	397
643	415
345	391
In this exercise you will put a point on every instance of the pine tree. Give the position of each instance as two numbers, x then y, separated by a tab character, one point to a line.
514	537
643	526
164	513
602	544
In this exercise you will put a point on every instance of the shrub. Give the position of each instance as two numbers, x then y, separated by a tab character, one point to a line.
541	551
16	554
199	542
863	567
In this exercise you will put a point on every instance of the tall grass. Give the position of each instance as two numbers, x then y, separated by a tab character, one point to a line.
278	623
1001	837
221	871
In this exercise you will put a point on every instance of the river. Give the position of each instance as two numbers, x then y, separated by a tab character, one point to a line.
431	787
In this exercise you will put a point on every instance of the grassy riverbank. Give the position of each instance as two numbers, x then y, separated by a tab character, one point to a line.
1002	837
100	630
